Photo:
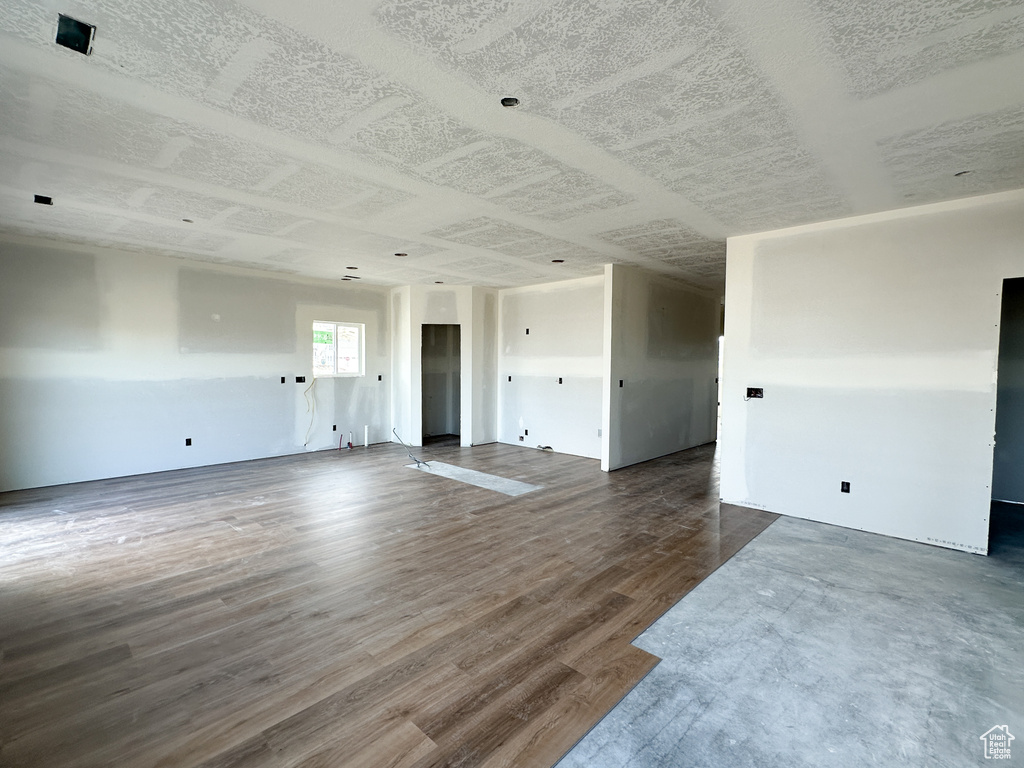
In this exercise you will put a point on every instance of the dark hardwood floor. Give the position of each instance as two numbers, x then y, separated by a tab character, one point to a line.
339	609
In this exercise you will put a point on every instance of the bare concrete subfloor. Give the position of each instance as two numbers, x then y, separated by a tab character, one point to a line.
822	646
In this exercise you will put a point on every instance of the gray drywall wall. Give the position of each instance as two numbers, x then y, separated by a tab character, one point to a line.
1008	460
49	300
231	314
160	350
875	342
663	349
440	361
566	341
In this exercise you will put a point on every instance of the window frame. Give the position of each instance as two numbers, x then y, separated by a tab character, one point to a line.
360	329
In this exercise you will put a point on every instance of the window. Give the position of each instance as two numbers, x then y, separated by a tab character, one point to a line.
337	349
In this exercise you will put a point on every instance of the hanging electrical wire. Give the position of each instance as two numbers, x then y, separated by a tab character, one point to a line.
408	449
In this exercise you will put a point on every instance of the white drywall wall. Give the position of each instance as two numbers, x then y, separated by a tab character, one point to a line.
110	360
566	340
663	347
875	340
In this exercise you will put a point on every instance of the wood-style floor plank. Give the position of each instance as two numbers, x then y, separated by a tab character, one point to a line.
339	608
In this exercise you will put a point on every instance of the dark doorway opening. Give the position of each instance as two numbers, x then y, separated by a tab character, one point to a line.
441	365
1007	518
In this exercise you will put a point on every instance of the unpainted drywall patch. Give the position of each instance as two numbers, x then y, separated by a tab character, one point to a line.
679	324
442	307
816	298
233	313
49	299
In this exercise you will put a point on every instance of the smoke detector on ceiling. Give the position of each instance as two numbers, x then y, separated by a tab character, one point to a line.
75	34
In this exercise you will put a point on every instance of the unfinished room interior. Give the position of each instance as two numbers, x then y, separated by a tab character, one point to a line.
591	383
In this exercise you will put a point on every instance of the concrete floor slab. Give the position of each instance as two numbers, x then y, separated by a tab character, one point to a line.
818	645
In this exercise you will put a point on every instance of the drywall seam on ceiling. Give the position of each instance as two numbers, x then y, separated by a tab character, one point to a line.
355	34
387	228
19	56
810	84
976	89
642	127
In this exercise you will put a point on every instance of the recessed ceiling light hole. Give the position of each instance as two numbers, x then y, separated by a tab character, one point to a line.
510	101
43	200
558	261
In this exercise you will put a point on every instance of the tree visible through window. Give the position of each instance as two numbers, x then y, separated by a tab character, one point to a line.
337	349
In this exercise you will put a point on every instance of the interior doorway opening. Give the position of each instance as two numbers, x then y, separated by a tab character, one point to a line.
1007	514
441	368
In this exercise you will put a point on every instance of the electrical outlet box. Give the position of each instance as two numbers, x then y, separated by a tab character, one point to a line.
300	379
282	379
188	441
520	438
844	487
755	393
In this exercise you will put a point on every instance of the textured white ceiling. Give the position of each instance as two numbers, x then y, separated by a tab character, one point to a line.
309	136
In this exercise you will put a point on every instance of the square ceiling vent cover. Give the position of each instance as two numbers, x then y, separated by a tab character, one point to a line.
74	34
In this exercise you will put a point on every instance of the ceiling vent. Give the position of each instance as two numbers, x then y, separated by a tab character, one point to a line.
74	34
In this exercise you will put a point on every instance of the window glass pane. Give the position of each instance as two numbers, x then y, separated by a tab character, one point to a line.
323	349
348	348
